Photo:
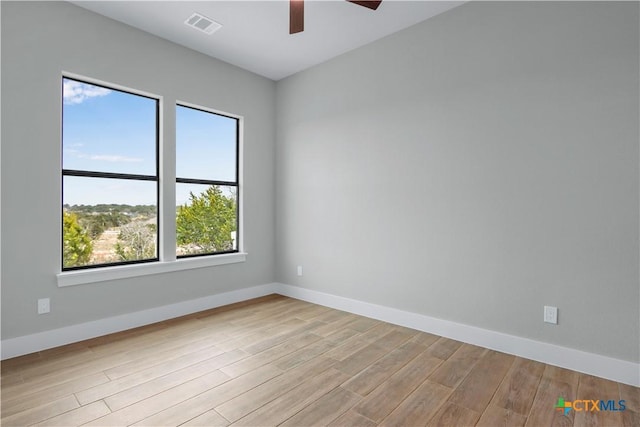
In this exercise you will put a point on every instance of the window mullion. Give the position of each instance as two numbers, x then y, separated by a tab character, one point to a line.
167	157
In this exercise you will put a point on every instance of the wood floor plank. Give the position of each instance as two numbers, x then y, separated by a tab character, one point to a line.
561	374
425	338
455	368
62	376
361	359
334	316
157	371
10	366
284	336
324	410
285	312
312	311
252	315
40	413
253	399
352	419
182	326
54	365
478	387
630	419
78	416
266	332
288	404
386	397
548	393
154	404
206	401
519	387
377	332
347	348
495	416
341	336
23	402
419	407
246	314
252	362
443	348
206	348
631	396
393	339
594	388
451	414
409	331
11	380
122	342
327	328
209	419
305	354
374	375
363	324
150	388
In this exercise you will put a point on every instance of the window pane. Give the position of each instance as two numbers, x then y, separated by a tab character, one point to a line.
205	145
106	130
206	219
108	220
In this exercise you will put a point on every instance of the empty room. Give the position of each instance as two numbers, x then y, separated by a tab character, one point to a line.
320	213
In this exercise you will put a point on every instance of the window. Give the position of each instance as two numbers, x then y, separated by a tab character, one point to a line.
112	192
206	182
109	176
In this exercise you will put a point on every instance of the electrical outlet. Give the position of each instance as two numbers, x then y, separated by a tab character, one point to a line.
299	270
44	305
551	314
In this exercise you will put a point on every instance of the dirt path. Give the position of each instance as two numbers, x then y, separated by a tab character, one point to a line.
104	246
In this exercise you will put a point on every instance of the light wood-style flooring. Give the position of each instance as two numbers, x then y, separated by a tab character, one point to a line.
280	361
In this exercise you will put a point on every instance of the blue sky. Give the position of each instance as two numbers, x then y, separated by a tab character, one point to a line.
111	131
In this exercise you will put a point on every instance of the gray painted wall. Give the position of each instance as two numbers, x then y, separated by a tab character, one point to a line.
39	40
474	168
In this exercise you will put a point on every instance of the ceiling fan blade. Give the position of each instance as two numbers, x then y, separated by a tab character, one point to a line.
296	16
366	3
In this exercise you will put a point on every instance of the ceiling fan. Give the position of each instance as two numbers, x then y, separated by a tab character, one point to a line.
296	12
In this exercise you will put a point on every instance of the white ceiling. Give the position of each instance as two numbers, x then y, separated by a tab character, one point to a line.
255	34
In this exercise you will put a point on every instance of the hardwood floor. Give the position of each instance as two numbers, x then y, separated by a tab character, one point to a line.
280	361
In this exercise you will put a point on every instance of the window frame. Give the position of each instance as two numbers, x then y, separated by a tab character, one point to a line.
111	175
166	209
236	183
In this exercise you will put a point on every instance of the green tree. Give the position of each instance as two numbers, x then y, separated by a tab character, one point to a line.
136	241
77	243
206	223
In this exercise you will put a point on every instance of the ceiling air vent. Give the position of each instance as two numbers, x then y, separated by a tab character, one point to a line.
202	23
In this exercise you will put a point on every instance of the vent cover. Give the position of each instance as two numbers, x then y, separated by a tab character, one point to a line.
202	23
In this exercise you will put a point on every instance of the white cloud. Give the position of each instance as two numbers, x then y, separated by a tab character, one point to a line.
113	158
75	92
102	157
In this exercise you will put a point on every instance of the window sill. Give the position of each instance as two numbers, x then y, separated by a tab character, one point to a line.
80	277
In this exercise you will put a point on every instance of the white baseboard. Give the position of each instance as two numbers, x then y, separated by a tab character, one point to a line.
19	346
577	360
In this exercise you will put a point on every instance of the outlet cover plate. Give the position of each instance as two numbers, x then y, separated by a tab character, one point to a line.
551	314
44	305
